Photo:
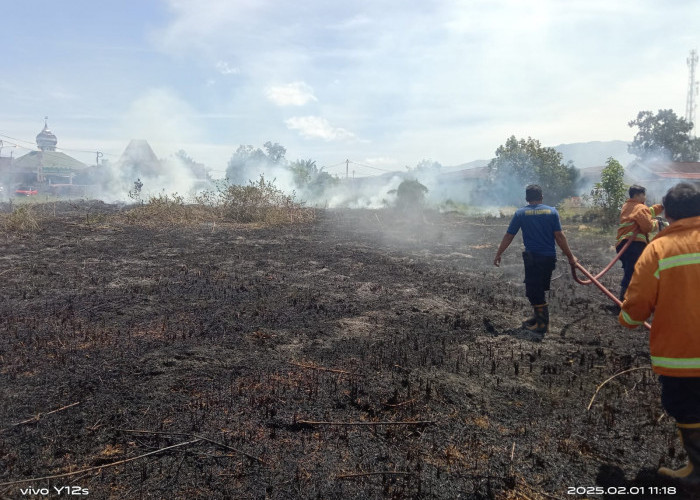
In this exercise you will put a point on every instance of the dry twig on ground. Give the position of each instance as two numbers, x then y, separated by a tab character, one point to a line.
138	431
359	424
321	368
36	417
99	467
611	378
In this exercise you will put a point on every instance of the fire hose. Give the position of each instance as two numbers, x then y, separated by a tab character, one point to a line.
594	279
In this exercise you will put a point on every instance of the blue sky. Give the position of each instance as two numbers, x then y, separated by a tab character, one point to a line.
384	83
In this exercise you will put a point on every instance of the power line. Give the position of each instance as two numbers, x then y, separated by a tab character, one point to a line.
57	149
343	163
369	166
18	140
334	165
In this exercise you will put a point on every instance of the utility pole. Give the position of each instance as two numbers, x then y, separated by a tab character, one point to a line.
347	169
690	105
98	156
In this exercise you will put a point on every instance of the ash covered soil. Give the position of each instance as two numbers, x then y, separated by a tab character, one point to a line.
361	356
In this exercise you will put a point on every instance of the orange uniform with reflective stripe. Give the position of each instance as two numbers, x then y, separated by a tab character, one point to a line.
636	217
666	281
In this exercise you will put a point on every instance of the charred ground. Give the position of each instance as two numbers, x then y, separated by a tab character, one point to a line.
259	345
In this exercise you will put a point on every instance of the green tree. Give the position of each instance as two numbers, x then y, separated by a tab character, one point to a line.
410	195
663	136
310	180
275	152
249	162
522	162
611	192
303	171
321	183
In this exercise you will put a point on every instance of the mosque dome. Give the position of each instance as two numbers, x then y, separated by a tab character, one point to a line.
46	140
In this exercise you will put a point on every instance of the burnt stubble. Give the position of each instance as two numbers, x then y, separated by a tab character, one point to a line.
364	355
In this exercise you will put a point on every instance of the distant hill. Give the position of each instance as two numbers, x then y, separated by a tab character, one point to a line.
465	166
595	153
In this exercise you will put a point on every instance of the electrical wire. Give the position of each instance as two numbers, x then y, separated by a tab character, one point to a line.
369	166
57	150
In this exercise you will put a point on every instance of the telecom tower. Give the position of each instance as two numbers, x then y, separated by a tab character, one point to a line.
692	91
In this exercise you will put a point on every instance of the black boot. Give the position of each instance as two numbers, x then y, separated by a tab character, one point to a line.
529	321
541	320
688	475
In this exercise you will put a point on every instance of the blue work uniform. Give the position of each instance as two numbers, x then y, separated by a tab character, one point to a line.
538	223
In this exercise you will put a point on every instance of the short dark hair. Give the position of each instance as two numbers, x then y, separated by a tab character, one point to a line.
682	201
636	189
533	192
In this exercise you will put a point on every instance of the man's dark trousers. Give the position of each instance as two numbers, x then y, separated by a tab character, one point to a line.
538	276
628	260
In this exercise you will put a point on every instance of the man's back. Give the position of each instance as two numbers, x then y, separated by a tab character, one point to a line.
667	277
538	222
636	217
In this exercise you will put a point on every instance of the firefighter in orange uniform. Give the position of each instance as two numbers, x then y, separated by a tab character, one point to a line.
666	282
635	217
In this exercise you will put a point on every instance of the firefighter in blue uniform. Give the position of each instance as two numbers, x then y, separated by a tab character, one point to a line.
541	229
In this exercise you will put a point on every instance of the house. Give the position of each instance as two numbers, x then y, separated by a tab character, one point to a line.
45	166
660	175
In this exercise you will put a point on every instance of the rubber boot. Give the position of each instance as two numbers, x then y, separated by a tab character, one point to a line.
529	321
689	474
545	311
541	323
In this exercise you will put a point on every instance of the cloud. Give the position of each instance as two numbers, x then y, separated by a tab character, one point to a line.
225	69
448	80
292	94
316	127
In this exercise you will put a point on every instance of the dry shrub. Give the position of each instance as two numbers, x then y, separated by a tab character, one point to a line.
258	203
167	209
22	219
262	202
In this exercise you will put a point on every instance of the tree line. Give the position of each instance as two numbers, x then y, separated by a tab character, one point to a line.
660	137
518	162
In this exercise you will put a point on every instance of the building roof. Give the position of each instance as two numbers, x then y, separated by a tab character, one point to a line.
140	158
660	169
594	174
48	161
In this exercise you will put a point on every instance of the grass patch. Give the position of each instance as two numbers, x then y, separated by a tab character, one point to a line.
22	219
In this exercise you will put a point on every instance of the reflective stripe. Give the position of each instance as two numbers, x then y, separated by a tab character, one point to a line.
629	320
653	213
675	362
688	426
637	237
686	259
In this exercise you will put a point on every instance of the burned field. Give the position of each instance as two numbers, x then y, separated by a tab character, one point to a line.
359	356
